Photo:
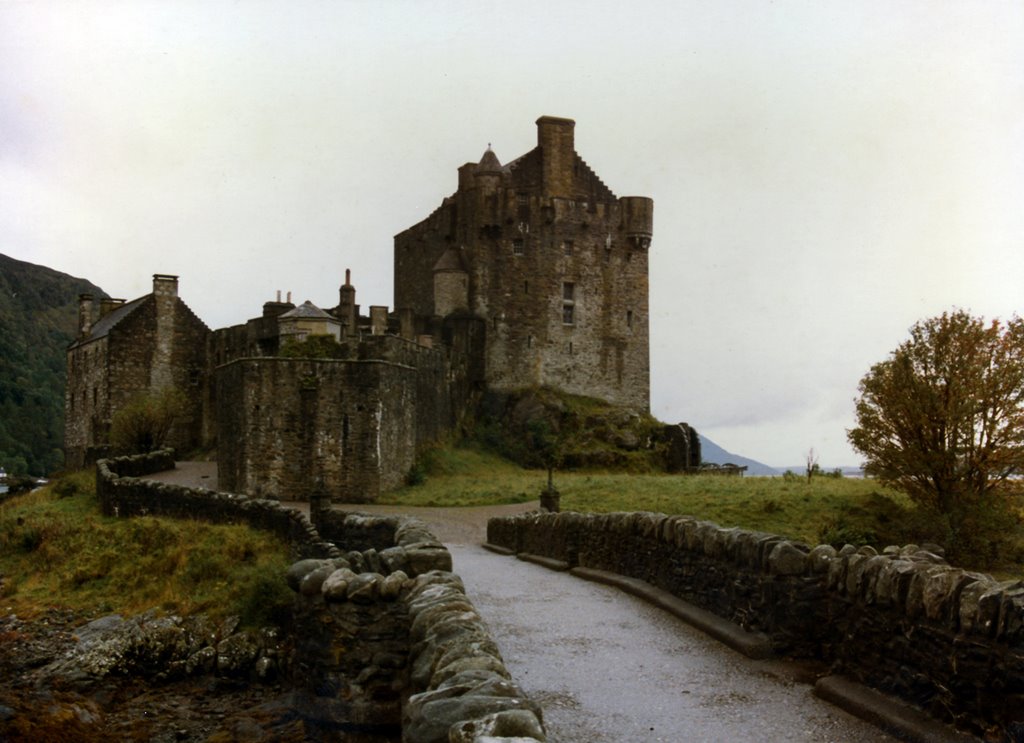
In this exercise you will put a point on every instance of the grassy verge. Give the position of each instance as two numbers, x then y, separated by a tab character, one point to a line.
827	510
57	549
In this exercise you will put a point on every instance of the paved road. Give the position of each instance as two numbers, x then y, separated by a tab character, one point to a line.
607	667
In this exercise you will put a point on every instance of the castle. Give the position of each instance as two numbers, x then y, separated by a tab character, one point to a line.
532	273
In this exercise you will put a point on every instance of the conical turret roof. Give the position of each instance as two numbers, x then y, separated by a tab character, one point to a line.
451	260
489	163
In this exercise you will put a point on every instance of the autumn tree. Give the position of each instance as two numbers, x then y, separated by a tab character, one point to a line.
942	419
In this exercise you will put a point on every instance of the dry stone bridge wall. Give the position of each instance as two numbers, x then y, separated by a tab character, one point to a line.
948	641
386	644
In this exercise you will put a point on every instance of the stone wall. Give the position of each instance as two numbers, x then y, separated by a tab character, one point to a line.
386	644
123	492
289	428
350	427
380	652
946	640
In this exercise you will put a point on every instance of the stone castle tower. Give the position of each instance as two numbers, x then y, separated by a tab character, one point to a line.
553	262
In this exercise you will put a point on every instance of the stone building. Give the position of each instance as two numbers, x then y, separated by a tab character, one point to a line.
132	348
531	274
552	261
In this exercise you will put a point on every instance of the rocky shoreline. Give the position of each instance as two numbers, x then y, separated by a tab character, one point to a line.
146	678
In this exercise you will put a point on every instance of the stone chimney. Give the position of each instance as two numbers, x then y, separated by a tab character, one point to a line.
555	137
347	305
165	292
165	285
378	319
84	315
108	305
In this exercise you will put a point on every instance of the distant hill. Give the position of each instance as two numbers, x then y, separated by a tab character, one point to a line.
712	452
38	319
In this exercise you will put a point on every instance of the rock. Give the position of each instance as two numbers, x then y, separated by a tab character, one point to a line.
201	662
429	720
237	653
300	570
363	588
786	559
335	585
392	585
514	724
821	557
312	583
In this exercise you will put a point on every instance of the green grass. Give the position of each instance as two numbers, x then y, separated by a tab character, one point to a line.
826	510
57	549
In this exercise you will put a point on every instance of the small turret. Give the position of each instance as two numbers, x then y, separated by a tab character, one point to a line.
451	283
638	220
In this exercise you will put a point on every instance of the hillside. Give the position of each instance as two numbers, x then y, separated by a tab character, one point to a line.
712	452
38	319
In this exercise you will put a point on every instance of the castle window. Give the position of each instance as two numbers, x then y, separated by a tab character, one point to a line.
522	199
518	246
567	247
529	341
570	348
629	318
568	303
526	287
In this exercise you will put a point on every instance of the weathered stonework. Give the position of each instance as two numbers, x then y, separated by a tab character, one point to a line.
533	274
144	346
949	641
551	260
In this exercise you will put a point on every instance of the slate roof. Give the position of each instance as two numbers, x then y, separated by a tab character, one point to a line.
107	323
307	310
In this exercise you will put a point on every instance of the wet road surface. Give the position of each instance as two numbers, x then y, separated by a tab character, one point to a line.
607	667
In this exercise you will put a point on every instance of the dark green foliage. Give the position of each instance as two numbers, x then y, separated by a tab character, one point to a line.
145	423
38	319
544	428
313	347
268	601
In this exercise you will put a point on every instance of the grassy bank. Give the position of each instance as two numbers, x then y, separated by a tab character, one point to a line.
826	510
57	549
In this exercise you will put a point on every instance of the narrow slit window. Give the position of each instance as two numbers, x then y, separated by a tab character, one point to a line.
568	303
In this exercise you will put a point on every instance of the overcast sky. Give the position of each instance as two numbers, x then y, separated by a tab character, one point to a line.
825	173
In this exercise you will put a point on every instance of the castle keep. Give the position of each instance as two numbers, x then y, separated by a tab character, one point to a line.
532	273
551	260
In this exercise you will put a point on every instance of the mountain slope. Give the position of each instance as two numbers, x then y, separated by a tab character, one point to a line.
712	452
38	319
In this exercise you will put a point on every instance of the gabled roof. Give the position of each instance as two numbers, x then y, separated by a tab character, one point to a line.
107	323
307	310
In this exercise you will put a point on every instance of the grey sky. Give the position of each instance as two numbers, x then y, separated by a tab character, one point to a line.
824	173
